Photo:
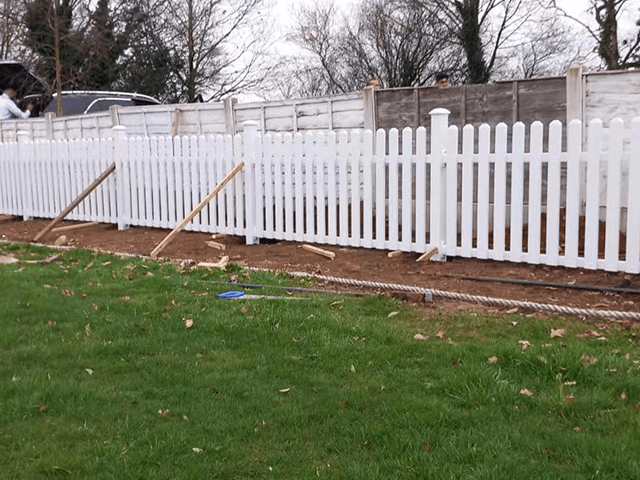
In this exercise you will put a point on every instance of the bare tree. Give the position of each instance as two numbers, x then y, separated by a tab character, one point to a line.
547	47
391	41
219	43
11	13
482	28
615	53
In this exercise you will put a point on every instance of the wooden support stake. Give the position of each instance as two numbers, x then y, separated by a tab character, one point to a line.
395	253
75	227
216	245
426	256
196	210
319	251
110	169
219	236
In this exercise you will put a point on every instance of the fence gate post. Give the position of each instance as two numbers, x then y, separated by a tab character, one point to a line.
122	190
437	220
25	157
250	133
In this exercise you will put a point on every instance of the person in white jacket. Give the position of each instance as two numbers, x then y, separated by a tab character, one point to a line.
9	109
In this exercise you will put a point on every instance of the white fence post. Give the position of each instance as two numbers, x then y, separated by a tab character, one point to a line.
120	151
25	158
250	132
439	126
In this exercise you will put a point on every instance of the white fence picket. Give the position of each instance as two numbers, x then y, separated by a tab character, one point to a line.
484	134
406	189
467	190
354	156
343	162
552	225
535	194
421	189
592	212
517	194
612	232
393	190
632	250
500	193
381	189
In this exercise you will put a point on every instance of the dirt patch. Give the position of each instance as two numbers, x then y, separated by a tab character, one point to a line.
362	264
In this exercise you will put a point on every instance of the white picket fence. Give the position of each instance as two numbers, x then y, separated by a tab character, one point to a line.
385	191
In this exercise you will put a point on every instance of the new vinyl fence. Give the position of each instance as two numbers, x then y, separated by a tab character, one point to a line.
376	191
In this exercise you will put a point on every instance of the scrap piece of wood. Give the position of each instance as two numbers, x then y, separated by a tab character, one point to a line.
110	169
395	253
6	217
428	255
216	245
74	227
222	263
219	236
319	251
197	209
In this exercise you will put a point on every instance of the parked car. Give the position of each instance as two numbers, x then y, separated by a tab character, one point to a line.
31	89
82	102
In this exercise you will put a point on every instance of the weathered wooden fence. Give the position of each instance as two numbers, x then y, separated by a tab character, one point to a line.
360	189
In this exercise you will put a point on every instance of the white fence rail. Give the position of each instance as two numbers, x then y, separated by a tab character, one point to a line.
387	191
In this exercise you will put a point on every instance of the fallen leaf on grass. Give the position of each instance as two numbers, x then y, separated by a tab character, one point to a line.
623	396
51	323
440	334
492	360
188	322
163	413
87	328
577	429
337	302
627	356
524	344
89	265
67	293
197	450
47	287
512	311
557	333
513	324
126	298
296	340
588	360
426	447
418	336
527	392
42	408
569	399
284	390
353	369
569	384
199	294
392	314
105	264
94	306
89	371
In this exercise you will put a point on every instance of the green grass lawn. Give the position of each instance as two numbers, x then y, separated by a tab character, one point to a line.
101	379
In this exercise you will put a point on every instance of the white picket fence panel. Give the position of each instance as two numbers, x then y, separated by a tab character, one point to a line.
389	190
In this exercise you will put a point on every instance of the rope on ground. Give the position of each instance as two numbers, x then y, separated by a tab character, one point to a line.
500	302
